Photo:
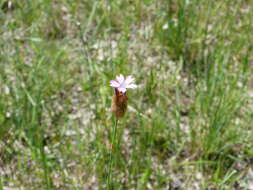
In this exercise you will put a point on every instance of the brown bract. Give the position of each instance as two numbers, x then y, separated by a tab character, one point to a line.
119	103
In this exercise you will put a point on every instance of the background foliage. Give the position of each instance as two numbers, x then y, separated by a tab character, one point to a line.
189	124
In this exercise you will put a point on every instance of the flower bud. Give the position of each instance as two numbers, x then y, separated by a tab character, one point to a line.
119	103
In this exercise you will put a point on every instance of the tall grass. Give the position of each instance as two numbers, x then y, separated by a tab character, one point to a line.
188	124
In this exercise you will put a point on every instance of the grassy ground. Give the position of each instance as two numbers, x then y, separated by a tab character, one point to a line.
188	125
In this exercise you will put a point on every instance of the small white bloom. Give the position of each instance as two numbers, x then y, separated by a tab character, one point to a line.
122	83
165	26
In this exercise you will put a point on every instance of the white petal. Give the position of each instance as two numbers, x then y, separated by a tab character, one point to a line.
131	86
123	85
122	89
129	79
120	78
114	83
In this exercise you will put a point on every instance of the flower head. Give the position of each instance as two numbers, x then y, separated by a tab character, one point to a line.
121	83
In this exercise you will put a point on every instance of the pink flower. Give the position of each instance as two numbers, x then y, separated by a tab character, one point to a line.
122	83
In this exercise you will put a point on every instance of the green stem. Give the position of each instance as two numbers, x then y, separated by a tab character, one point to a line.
109	179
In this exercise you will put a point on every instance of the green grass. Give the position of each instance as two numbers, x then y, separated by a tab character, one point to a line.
188	125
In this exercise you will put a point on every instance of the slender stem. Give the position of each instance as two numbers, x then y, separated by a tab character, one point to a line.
109	179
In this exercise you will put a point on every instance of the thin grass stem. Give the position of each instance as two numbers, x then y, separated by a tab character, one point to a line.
111	162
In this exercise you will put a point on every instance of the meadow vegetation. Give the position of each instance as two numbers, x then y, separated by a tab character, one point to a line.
189	122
